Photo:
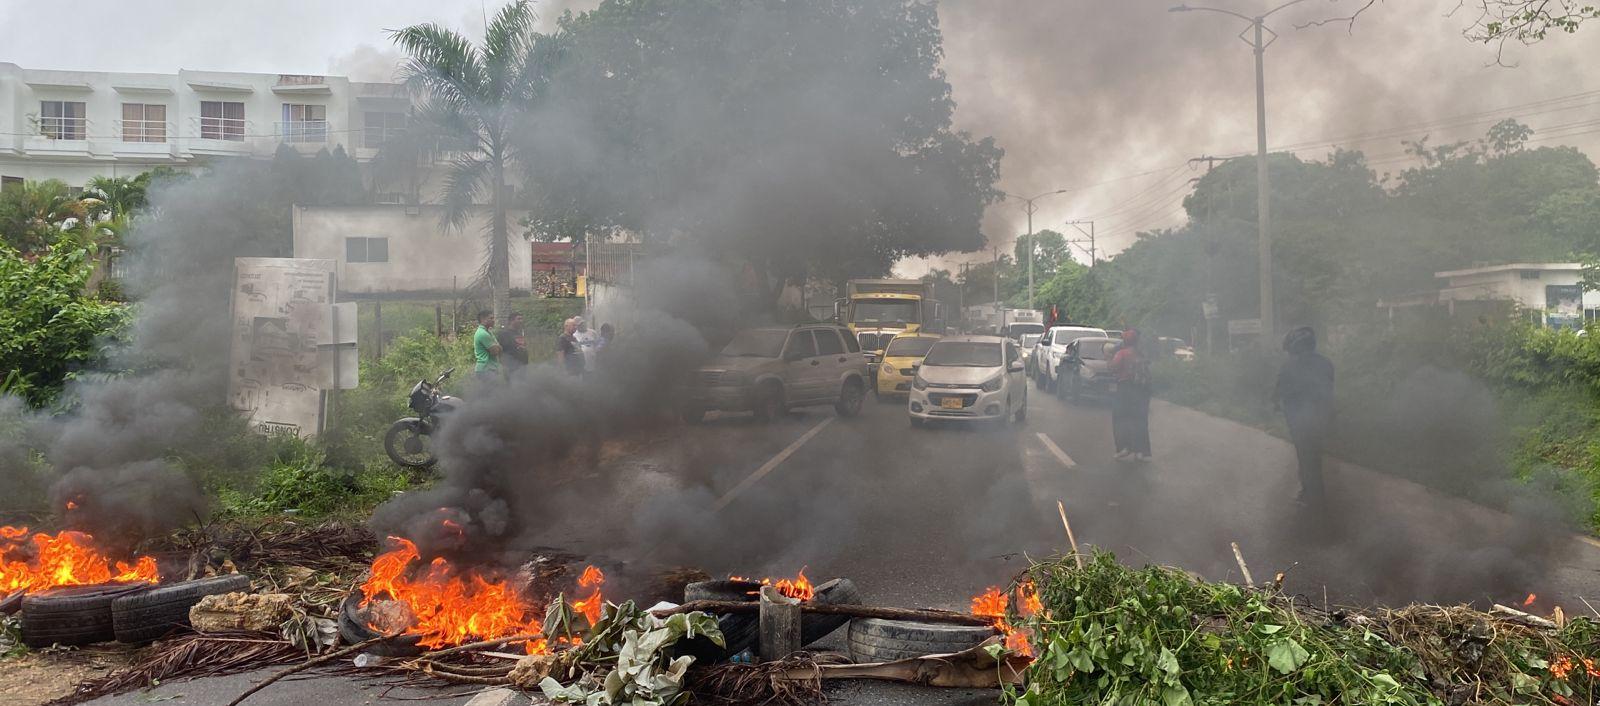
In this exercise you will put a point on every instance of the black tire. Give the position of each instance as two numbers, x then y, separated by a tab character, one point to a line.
814	627
1022	412
1076	393
770	406
740	631
851	396
879	640
148	615
408	445
12	603
78	615
918	423
1038	380
1062	386
354	632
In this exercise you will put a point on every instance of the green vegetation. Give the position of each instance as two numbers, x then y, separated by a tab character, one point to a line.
49	326
1109	634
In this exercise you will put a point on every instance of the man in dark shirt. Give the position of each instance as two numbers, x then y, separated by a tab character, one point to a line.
513	346
1305	394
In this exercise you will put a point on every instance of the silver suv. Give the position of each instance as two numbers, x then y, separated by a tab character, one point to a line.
770	370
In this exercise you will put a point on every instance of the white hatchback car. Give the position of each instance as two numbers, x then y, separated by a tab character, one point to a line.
970	378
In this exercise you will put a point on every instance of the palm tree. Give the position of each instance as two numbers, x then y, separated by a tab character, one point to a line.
37	214
469	96
119	196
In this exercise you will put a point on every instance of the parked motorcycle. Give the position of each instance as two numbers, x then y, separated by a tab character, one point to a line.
409	441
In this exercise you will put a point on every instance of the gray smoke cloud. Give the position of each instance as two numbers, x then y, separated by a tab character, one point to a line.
110	449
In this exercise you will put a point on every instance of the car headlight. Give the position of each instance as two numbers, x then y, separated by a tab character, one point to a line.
918	383
993	384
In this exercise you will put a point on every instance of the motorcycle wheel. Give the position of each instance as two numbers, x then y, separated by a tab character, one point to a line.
408	444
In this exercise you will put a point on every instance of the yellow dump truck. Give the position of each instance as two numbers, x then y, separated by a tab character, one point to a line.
877	310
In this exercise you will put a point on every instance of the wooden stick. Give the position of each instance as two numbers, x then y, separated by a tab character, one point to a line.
1062	510
1518	616
477	645
1591	608
1239	557
854	611
779	634
336	654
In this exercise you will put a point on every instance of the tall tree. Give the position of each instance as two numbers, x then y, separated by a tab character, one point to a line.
796	137
468	97
37	214
1525	21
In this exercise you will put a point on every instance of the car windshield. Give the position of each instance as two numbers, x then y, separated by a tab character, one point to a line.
756	343
882	311
966	354
1097	350
910	347
1016	331
1065	336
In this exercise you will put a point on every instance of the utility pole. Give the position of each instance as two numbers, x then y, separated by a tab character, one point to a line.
1211	261
996	280
1027	204
1092	251
1262	37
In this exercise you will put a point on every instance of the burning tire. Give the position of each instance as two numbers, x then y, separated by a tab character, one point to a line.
11	603
353	629
741	631
147	615
879	640
77	615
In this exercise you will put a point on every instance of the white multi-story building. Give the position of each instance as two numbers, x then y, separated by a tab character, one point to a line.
76	125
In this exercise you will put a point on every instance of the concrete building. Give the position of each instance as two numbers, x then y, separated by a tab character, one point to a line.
1550	293
403	249
76	125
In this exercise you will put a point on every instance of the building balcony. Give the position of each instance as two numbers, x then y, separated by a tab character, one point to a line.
56	136
303	132
144	138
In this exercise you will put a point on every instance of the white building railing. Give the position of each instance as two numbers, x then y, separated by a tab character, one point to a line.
304	131
373	138
230	129
60	128
143	130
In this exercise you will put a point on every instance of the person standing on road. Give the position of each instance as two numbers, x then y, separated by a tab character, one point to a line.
1130	407
568	350
486	349
513	345
1305	394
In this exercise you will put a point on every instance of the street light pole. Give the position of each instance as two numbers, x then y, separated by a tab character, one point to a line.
1031	209
1092	252
1262	37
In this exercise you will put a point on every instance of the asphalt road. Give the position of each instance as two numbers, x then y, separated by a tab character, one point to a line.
930	517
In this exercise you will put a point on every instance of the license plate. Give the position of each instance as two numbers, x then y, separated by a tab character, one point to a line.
950	403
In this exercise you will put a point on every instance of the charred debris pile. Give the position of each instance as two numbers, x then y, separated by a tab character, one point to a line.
1080	628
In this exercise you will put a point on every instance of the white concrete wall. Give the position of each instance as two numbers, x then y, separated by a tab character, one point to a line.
424	255
1510	284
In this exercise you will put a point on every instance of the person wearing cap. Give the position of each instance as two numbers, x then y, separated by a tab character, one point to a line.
1130	407
1304	392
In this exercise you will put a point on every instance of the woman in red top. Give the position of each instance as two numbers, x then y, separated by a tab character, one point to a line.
1130	407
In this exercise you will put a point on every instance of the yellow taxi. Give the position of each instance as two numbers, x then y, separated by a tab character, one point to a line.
900	360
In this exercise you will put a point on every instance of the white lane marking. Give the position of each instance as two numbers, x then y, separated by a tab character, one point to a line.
771	464
1056	451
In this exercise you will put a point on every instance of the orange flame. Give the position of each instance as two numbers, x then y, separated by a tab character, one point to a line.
1530	600
65	559
992	603
450	606
72	505
798	587
1564	665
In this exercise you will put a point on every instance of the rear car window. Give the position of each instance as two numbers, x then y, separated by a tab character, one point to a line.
910	347
828	342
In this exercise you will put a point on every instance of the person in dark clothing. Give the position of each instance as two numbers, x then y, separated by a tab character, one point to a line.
513	345
1305	394
1130	407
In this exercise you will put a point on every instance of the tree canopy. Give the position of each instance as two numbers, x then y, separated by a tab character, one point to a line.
797	137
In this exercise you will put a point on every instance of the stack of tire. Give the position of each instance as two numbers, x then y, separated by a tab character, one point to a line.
133	613
741	631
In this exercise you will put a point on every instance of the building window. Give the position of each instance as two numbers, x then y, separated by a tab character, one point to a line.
381	127
222	120
366	249
62	120
1529	274
10	182
391	197
304	123
144	122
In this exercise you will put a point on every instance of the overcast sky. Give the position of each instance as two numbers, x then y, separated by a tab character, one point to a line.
1080	93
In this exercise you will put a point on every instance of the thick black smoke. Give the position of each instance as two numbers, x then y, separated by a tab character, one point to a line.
110	448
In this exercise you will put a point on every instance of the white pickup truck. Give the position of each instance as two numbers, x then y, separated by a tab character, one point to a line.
1048	354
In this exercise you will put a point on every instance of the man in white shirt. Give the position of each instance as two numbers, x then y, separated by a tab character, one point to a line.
588	343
